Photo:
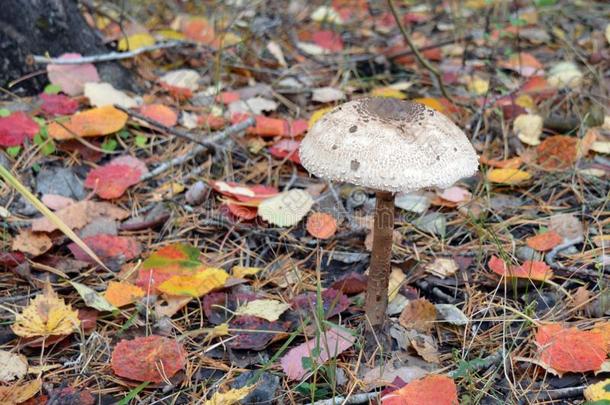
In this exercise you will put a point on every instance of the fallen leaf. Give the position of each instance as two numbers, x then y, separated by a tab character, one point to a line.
197	284
135	41
16	128
14	366
385	374
599	391
242	272
442	267
604	329
451	314
286	148
432	389
317	114
253	333
388	92
123	293
197	29
419	315
244	192
94	122
34	243
528	128
233	396
104	94
508	176
72	78
557	152
151	358
329	40
531	270
160	113
182	81
523	63
80	214
456	194
19	393
91	298
57	104
397	279
333	303
565	75
544	241
513	163
330	344
321	225
327	95
567	226
287	208
271	310
113	179
118	249
46	315
569	349
351	283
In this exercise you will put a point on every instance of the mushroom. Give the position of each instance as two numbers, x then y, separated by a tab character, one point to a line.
390	146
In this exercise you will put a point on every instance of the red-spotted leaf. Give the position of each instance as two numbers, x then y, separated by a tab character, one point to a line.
569	349
57	104
112	180
178	259
16	128
333	303
431	389
286	148
253	340
118	249
150	358
307	356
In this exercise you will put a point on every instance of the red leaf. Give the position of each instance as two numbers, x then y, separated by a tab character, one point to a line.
532	270
160	113
150	358
253	340
107	247
351	283
243	192
570	349
286	148
111	181
58	104
333	303
227	97
329	40
432	389
544	241
16	128
211	121
242	211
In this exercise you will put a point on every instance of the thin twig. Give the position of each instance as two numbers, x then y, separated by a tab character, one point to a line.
210	142
105	57
419	57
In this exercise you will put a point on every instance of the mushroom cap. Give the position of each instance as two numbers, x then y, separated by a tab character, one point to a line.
388	144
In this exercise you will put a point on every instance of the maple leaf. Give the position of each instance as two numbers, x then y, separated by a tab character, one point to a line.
47	315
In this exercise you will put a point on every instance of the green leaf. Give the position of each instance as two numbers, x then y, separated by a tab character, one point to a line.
110	145
47	146
545	3
307	363
124	134
52	89
141	140
92	298
13	150
4	112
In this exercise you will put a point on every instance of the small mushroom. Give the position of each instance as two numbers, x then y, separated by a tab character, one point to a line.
390	146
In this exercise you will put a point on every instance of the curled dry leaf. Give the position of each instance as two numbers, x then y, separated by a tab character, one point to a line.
151	358
569	349
47	315
321	225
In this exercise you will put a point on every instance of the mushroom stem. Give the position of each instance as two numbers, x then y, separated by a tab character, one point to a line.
379	273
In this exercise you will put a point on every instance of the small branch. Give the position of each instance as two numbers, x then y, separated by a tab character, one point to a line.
420	58
109	56
212	141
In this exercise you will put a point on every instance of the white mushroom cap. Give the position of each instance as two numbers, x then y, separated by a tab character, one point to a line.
388	144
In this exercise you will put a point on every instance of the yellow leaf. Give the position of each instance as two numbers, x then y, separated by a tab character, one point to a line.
528	128
219	330
170	34
286	208
195	285
18	393
46	315
388	92
397	277
242	272
317	115
477	85
230	397
508	176
270	310
599	391
525	101
135	41
123	293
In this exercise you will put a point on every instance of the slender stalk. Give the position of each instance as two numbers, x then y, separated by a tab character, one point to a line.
379	272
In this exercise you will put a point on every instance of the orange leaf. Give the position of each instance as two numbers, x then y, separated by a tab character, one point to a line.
512	163
557	152
321	225
439	104
570	350
544	241
160	113
523	63
94	122
604	329
532	270
431	389
198	29
419	315
123	293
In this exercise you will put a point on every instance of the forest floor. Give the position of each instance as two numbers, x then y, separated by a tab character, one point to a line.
170	272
